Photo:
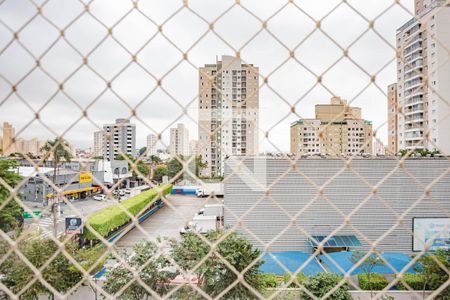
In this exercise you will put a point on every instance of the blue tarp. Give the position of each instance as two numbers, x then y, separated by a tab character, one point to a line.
397	262
291	261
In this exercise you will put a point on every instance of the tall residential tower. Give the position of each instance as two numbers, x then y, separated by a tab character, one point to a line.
423	76
228	112
179	140
120	138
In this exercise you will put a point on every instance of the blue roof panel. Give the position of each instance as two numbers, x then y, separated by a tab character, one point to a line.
340	263
291	261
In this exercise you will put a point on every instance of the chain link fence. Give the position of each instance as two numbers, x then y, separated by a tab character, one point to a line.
93	56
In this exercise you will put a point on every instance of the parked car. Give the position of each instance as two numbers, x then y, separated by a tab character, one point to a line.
99	197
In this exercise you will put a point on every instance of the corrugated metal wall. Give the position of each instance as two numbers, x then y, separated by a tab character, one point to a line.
294	196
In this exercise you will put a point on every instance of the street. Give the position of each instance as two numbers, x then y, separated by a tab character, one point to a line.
45	225
167	222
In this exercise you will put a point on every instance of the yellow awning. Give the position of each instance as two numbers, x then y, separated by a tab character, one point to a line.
78	191
74	191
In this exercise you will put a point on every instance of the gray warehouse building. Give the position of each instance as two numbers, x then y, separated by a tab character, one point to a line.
290	204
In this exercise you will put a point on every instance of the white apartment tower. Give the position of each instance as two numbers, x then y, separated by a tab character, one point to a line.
98	144
228	112
151	144
120	138
179	140
423	76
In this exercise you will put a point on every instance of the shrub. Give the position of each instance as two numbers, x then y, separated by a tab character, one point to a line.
106	220
268	281
301	279
321	283
376	283
415	281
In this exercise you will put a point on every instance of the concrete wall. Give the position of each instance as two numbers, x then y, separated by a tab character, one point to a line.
295	209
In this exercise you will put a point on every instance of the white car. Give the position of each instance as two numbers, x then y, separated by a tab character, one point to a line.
100	197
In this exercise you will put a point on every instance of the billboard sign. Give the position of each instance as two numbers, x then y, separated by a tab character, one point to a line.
85	177
433	232
74	225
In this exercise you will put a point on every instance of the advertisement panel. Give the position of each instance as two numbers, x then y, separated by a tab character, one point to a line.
85	177
434	232
74	225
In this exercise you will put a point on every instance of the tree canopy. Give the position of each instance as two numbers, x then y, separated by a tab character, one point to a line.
215	275
11	212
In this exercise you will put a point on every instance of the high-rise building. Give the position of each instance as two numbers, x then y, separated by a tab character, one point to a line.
98	149
228	112
392	118
179	140
120	138
9	136
338	129
151	144
423	73
193	147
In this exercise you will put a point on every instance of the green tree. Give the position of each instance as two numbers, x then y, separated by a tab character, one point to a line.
57	150
60	273
367	264
321	283
152	267
155	159
433	274
159	172
174	166
215	276
137	165
10	213
199	165
142	151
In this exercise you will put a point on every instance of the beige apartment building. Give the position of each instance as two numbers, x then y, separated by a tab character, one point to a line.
423	74
338	129
97	150
11	144
392	118
8	138
179	140
228	112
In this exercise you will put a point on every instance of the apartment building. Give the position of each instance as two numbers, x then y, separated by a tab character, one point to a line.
179	140
423	73
392	118
337	129
193	147
8	138
12	144
228	112
120	138
151	144
98	148
295	209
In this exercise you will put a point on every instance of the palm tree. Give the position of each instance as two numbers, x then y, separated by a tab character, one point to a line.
56	150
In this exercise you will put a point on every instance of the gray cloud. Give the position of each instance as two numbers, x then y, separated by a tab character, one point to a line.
158	111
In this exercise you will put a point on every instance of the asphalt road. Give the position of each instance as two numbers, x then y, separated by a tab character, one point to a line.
167	222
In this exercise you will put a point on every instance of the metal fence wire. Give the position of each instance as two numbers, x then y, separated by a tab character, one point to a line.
51	48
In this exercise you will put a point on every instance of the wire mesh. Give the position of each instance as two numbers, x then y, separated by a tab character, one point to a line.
53	50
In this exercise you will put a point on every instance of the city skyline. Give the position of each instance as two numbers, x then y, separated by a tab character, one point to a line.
291	81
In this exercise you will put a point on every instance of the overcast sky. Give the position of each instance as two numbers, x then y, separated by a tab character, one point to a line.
189	33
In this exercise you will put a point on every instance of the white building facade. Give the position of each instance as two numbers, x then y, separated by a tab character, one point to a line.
151	144
119	138
228	112
179	140
423	76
